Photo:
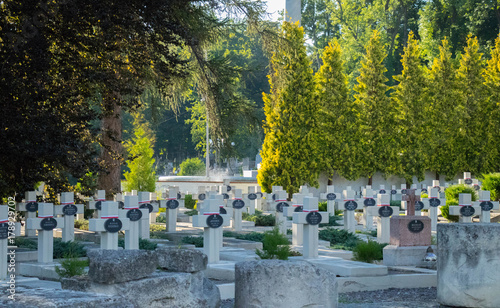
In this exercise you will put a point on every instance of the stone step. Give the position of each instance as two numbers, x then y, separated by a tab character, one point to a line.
224	270
346	268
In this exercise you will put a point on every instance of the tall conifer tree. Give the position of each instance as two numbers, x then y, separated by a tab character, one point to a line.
443	114
337	126
290	152
410	105
470	140
374	120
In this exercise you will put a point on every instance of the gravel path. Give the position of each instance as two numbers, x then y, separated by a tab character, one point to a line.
390	298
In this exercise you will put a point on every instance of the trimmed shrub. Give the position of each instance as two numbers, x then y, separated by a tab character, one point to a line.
339	239
332	221
72	249
368	251
157	228
189	202
192	166
143	244
260	219
252	236
22	242
274	246
491	182
197	241
322	206
191	213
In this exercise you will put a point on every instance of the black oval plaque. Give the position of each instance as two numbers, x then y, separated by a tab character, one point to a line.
385	211
252	196
393	192
201	197
225	196
331	196
419	205
467	211
48	224
172	204
98	205
313	218
32	206
274	197
113	225
146	206
486	205
299	209
382	191
228	188
4	230
134	214
121	205
222	210
238	204
261	194
415	226
476	187
403	191
179	196
69	209
214	221
350	205
280	206
369	202
434	202
468	181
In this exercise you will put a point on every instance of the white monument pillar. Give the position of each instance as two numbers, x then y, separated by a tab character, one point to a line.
171	204
45	223
350	205
281	208
238	205
30	207
211	220
134	214
96	205
431	204
297	207
253	197
310	218
68	209
383	212
145	203
368	201
331	198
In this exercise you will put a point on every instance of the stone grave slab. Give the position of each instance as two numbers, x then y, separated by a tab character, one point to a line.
346	268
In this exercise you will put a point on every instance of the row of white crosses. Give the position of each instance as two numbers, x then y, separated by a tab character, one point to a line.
467	209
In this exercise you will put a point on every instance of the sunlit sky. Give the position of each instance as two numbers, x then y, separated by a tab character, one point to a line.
274	7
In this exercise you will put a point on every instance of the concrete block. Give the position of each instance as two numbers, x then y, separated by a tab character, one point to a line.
346	268
405	256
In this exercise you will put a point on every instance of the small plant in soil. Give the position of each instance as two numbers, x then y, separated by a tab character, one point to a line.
71	266
275	246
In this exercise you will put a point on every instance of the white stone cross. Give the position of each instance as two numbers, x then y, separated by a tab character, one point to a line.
134	214
310	218
201	196
475	184
467	180
156	206
384	211
171	205
331	198
402	191
4	234
238	205
223	210
367	201
119	199
145	203
297	207
260	199
281	206
349	206
431	204
486	205
253	197
381	189
180	195
68	209
211	220
97	203
109	224
272	197
226	194
30	207
45	223
465	209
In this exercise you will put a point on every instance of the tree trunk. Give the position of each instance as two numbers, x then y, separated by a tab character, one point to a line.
370	180
111	152
437	175
330	180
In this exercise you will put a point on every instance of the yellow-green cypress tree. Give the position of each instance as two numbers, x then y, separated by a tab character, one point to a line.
290	150
337	125
492	106
470	141
409	100
374	116
443	114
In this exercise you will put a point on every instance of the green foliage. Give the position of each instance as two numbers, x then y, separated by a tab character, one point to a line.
192	166
143	244
191	212
396	203
372	233
339	239
491	182
290	153
452	194
368	251
22	242
158	235
332	221
71	266
82	224
260	219
141	176
74	249
197	241
157	228
189	202
252	236
161	219
274	246
322	206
